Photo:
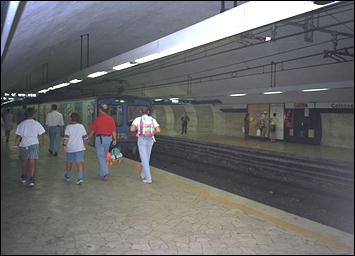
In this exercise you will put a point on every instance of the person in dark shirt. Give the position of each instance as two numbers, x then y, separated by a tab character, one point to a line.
184	120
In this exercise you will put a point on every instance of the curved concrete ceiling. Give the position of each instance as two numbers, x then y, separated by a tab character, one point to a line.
47	41
295	60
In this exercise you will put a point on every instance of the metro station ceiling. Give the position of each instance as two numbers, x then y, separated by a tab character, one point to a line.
300	54
48	34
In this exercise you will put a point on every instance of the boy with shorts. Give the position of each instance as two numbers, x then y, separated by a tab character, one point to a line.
29	138
74	138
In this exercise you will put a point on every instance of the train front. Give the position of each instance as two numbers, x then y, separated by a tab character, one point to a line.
124	110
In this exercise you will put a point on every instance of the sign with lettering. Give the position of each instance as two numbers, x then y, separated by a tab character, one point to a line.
336	105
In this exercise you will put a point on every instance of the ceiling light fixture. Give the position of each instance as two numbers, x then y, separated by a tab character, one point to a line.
238	94
60	86
276	92
74	81
315	90
96	74
124	65
268	38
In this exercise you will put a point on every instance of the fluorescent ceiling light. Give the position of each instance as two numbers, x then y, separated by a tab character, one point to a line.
151	57
238	94
96	74
43	91
276	92
60	85
124	65
158	100
74	81
174	100
166	52
267	38
315	90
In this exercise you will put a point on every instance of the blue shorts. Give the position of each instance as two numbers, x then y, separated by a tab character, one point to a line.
76	156
30	152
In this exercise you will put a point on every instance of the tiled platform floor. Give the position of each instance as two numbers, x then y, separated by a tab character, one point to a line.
174	215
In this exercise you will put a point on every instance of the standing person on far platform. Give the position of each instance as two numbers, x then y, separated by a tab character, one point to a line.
147	126
55	124
104	128
29	138
75	137
184	120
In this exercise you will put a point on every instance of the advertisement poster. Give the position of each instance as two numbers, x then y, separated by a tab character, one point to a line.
289	118
258	120
278	109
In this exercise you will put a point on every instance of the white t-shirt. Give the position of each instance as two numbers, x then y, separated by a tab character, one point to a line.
146	119
54	118
75	133
29	130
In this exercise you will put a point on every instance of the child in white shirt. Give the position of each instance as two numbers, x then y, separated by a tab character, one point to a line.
28	133
75	137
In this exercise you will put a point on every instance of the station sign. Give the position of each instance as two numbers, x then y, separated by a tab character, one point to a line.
16	95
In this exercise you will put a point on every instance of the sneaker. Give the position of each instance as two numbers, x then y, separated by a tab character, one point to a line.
31	182
23	179
147	181
105	177
142	177
79	181
55	154
66	178
50	151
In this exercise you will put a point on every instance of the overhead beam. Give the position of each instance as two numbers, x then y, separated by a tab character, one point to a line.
245	17
12	18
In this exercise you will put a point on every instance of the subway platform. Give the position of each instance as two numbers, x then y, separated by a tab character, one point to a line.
173	215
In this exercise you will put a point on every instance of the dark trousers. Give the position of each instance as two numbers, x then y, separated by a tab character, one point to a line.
184	128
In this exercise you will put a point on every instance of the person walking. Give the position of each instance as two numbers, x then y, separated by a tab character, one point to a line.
55	124
29	139
104	128
147	127
184	120
75	137
8	119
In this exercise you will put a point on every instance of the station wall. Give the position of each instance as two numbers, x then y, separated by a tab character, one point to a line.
207	119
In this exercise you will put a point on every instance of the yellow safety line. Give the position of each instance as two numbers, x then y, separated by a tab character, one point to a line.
257	214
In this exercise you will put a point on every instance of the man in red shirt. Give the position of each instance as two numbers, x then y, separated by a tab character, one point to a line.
104	129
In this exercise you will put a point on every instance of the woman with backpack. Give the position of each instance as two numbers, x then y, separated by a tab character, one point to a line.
146	127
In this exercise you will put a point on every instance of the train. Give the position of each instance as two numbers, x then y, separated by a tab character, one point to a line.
123	109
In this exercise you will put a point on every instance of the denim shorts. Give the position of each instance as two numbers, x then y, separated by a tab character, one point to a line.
29	152
76	156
